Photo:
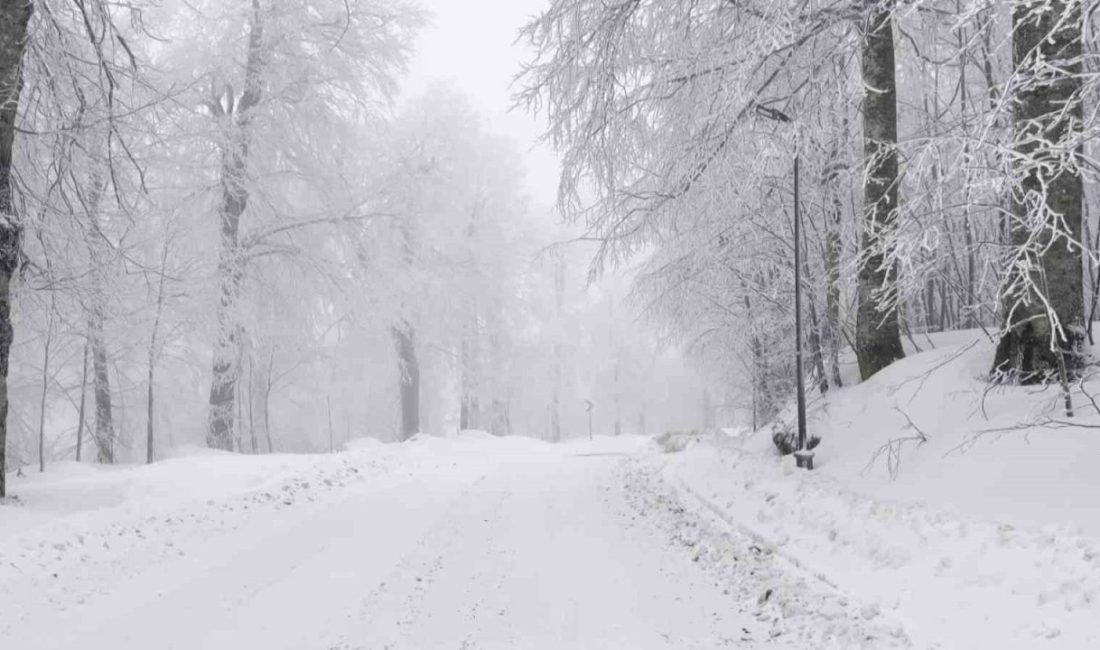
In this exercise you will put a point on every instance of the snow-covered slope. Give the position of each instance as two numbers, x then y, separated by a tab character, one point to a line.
985	534
981	455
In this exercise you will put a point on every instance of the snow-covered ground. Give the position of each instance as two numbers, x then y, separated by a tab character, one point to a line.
456	543
986	535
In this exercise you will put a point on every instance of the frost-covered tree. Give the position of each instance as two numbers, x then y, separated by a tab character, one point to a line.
878	339
14	17
279	84
1044	288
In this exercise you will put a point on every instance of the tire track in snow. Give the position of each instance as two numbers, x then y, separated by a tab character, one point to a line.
798	605
396	607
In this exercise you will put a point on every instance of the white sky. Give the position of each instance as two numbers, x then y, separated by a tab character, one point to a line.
470	45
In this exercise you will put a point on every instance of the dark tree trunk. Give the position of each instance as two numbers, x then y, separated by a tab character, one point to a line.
104	420
409	383
1047	110
878	338
14	17
236	115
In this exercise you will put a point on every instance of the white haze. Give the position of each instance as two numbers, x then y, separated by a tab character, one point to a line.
318	304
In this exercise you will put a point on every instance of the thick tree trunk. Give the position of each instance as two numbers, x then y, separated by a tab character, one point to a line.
878	338
409	384
817	355
226	366
500	423
96	310
1048	112
14	17
104	422
470	409
236	115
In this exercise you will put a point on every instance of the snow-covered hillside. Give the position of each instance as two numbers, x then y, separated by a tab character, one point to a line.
984	534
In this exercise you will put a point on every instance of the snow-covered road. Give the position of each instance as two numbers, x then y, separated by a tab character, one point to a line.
534	548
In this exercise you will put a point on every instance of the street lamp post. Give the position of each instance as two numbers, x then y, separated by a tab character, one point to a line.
804	457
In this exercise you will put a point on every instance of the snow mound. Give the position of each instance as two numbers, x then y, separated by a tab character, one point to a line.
970	512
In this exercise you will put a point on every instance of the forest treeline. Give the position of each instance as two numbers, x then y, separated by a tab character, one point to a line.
218	207
225	225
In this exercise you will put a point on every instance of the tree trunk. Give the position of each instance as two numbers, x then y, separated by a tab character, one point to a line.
1050	190
104	422
252	400
234	201
268	384
45	392
331	441
972	306
405	338
83	400
14	17
817	356
832	278
149	428
470	409
878	339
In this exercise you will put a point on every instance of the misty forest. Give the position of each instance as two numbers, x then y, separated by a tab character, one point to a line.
355	324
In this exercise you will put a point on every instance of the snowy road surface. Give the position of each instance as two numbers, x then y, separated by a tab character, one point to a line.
445	548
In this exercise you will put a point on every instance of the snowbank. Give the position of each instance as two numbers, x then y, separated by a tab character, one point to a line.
969	513
930	428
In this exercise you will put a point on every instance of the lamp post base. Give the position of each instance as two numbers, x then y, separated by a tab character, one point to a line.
804	458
